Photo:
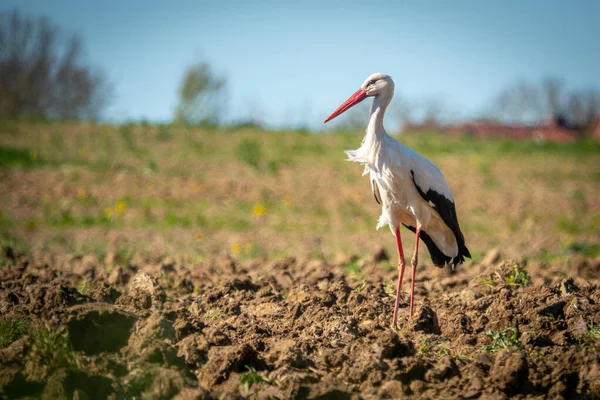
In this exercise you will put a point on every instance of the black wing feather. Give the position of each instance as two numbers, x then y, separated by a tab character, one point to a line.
376	191
447	211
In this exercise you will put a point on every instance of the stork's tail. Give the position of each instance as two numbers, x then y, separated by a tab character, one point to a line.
460	258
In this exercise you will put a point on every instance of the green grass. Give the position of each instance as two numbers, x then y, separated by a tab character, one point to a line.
84	287
64	217
353	269
250	152
163	134
591	250
487	281
593	331
212	313
502	339
252	377
14	157
429	142
179	181
6	221
519	276
11	248
51	349
12	329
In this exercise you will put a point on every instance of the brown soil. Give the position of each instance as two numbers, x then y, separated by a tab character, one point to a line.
161	329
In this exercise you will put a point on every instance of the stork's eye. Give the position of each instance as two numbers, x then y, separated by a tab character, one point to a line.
372	82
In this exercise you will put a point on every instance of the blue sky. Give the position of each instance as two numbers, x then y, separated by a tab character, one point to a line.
293	63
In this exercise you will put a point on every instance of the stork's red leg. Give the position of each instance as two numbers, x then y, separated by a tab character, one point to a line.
400	275
413	262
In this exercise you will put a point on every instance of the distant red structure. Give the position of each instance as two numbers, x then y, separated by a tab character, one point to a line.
595	128
554	129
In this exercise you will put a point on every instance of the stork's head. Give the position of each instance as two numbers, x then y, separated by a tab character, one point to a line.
379	85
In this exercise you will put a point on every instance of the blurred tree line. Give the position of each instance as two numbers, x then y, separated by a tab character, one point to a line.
522	101
43	75
534	101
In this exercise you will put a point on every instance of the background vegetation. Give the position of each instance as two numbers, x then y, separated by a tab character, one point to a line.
198	192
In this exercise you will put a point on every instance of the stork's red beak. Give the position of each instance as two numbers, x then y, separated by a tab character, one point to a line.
356	98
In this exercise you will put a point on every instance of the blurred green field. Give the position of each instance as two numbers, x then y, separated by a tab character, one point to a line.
192	192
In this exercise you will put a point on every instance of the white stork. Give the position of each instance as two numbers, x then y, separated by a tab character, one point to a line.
410	189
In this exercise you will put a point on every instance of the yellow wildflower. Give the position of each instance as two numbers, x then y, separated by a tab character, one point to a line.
199	237
120	206
81	193
236	248
258	210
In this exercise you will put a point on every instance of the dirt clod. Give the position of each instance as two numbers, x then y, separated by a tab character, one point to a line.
145	291
567	286
427	321
509	371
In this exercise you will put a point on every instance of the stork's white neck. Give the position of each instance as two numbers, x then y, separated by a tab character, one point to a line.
375	130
